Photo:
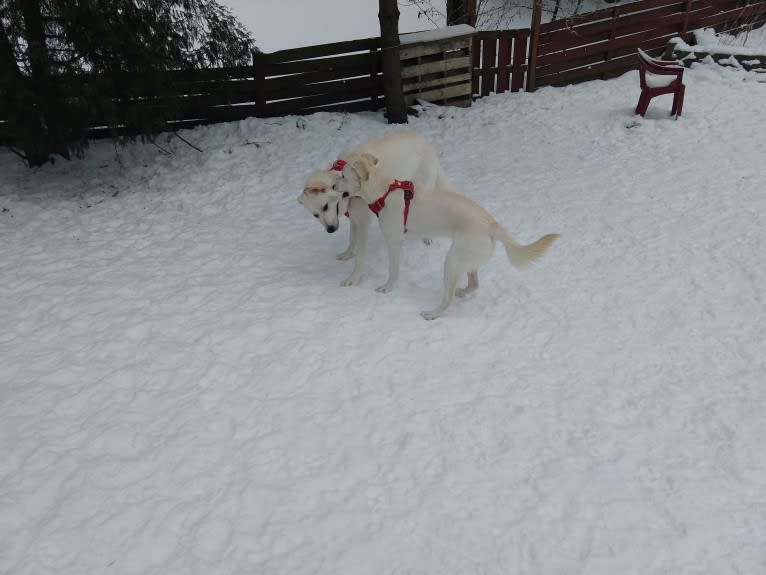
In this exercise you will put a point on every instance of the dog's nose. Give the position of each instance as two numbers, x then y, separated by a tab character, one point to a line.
331	229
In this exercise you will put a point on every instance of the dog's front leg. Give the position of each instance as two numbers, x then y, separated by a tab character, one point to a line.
349	253
360	218
392	226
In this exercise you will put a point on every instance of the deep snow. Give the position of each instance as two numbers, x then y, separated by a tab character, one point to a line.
187	389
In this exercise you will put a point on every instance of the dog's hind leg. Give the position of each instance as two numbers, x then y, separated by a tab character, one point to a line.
452	273
473	284
465	255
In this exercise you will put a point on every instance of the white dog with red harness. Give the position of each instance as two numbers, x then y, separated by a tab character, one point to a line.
406	154
442	212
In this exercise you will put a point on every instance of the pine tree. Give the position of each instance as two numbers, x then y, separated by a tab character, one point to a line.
64	62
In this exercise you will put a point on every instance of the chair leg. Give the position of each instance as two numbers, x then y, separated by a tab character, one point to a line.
643	104
678	101
681	100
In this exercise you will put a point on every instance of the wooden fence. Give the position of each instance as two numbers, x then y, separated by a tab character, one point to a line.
451	68
603	44
499	61
186	98
168	100
343	76
437	69
347	76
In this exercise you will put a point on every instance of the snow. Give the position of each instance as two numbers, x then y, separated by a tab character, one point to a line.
187	389
438	34
708	41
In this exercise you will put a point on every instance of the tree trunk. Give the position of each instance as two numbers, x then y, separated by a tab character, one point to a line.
461	12
23	121
556	11
392	71
45	100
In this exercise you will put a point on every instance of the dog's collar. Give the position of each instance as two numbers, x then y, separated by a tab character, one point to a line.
409	191
337	166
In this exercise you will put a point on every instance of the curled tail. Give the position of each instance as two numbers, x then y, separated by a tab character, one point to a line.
521	255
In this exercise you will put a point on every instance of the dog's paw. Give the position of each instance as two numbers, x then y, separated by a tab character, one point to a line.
384	288
349	281
347	255
428	241
429	315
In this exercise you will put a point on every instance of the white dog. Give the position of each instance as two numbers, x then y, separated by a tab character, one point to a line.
444	212
406	154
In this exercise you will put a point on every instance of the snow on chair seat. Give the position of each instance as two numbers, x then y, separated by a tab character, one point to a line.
659	77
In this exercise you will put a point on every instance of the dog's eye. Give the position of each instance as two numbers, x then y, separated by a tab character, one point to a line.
316	215
324	209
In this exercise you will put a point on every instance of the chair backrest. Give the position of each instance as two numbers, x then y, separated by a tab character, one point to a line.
656	66
659	67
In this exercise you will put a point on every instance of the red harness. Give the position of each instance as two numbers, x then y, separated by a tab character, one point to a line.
409	191
337	166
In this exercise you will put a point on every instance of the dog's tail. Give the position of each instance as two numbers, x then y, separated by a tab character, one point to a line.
521	255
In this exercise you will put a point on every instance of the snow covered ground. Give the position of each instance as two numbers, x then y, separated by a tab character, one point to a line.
186	388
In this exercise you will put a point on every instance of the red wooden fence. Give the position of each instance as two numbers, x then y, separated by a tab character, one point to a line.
499	61
603	44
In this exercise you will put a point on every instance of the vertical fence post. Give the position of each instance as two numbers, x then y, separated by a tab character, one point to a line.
259	75
375	56
519	60
534	40
489	65
504	61
685	27
476	64
612	38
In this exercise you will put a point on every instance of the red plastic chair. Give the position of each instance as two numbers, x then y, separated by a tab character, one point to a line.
655	80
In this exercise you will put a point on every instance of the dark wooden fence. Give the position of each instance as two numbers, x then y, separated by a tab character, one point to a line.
343	76
187	98
170	101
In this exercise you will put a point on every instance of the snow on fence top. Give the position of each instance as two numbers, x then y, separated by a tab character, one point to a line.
707	40
438	34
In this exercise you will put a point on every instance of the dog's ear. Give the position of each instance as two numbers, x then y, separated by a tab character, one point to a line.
300	197
361	164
